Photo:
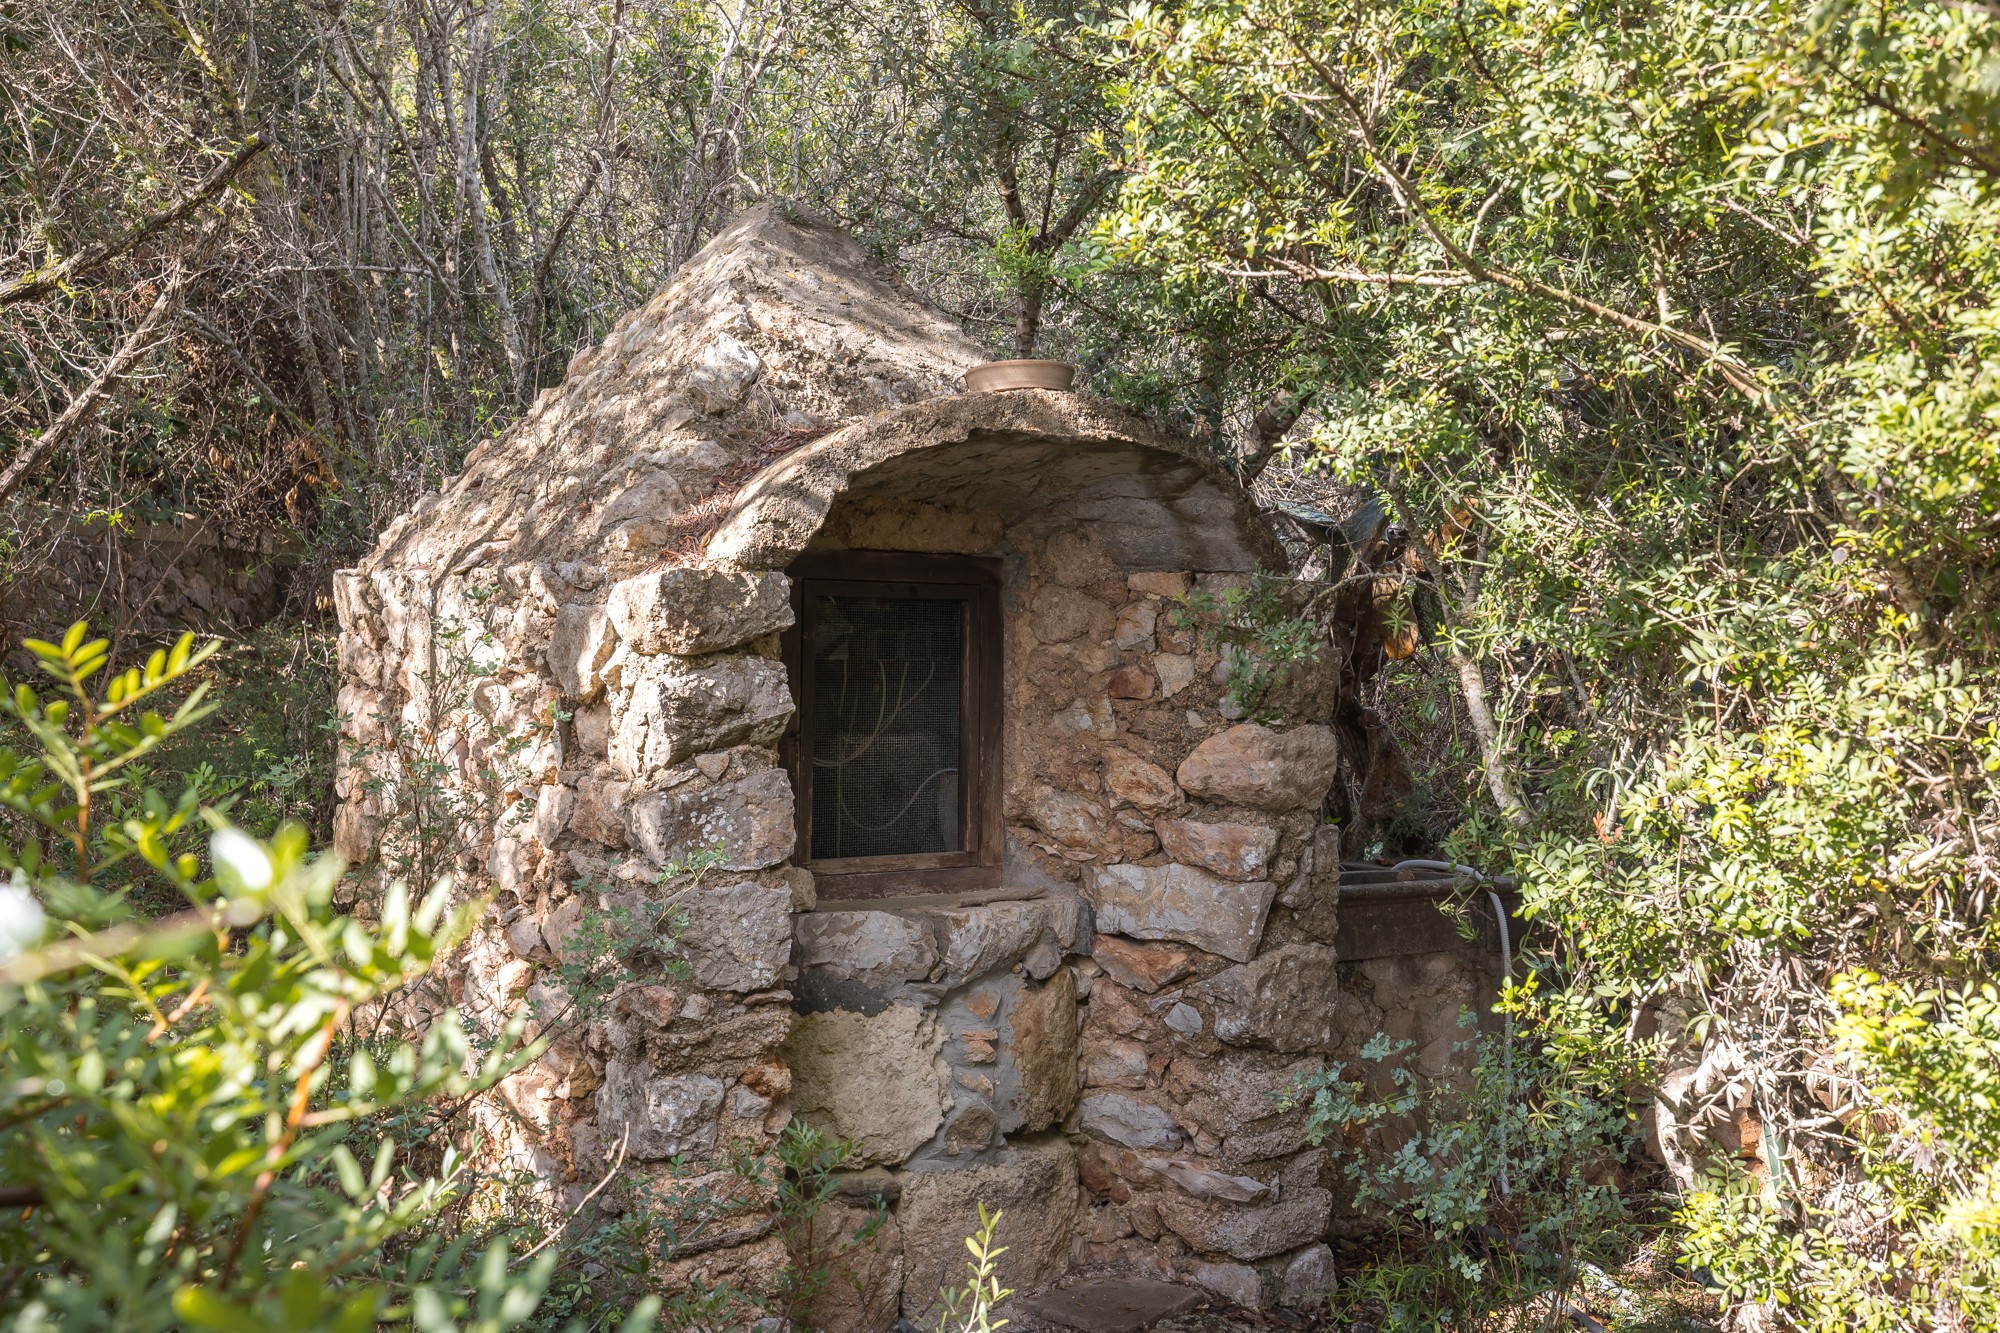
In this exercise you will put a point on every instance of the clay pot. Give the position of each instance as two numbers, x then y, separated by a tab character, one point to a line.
996	375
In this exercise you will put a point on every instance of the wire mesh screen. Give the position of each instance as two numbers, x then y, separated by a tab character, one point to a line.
886	675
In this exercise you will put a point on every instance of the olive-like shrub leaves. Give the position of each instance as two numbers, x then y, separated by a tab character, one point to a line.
195	1126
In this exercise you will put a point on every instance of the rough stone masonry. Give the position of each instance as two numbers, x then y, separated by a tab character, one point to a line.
570	656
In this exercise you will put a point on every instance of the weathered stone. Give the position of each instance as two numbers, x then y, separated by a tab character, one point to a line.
975	940
1087	717
692	610
599	811
1069	921
1111	1304
590	724
580	643
1076	822
1158	584
1184	1019
664	1115
724	373
553	807
524	937
1289	999
1077	558
1299	1215
1177	902
879	947
1252	765
1034	1186
1129	1121
1237	1283
1130	682
1043	960
680	707
1138	782
970	1128
1220	1186
650	497
1235	1098
878	1081
508	860
1135	625
1042	1023
562	925
749	820
1176	671
1319	869
1142	967
862	1289
1308	1278
738	937
1234	851
1057	614
737	1274
1114	1064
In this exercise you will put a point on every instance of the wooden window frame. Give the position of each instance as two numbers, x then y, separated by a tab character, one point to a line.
975	581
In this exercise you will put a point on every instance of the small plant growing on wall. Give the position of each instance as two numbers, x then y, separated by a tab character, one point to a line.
1256	632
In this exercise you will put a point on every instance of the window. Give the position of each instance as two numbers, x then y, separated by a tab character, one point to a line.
895	747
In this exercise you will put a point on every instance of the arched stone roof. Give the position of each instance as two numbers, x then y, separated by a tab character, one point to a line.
1156	500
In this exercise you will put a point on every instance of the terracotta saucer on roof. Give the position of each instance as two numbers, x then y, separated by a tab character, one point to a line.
996	375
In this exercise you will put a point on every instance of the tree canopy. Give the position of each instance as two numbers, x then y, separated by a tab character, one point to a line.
1665	329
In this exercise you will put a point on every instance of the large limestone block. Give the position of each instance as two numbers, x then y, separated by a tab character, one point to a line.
1177	902
1130	1122
1235	1099
863	1287
1033	1184
691	610
1139	781
878	1081
877	946
976	940
1217	1226
1289	999
684	706
737	937
1042	1022
665	1115
860	960
750	821
1270	770
1234	851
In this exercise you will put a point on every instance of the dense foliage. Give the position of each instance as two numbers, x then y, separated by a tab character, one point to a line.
195	1118
1669	329
1665	328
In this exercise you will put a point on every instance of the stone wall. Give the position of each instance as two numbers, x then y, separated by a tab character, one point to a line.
1172	971
540	670
147	580
577	645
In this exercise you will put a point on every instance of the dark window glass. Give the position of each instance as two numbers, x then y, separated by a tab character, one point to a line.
887	683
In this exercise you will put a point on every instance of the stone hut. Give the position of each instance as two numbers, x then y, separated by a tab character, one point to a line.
857	722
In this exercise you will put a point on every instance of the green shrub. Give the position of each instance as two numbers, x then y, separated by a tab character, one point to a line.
1494	1187
196	1133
